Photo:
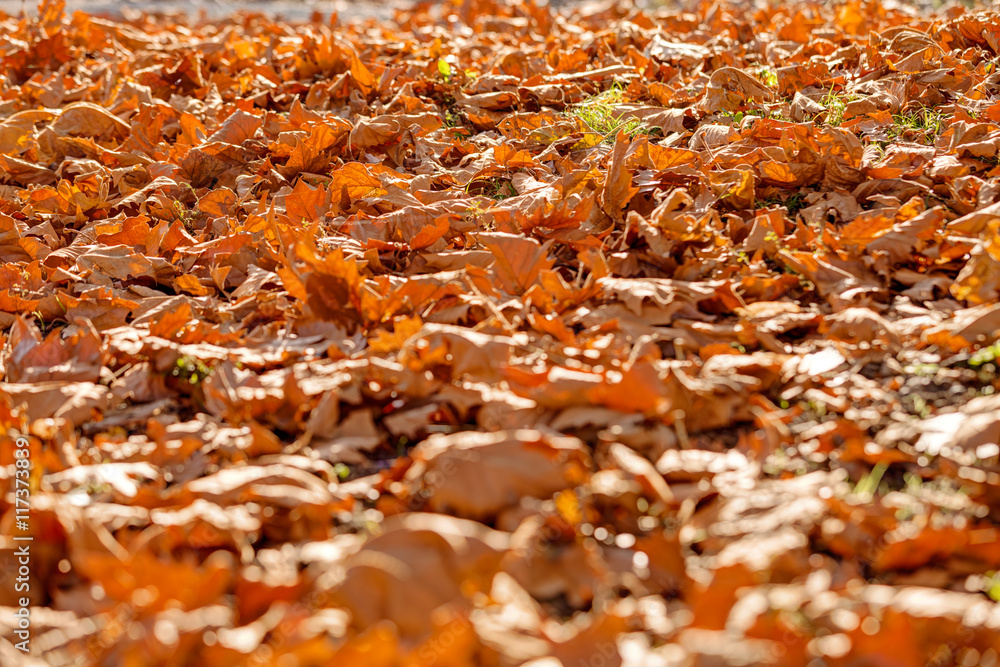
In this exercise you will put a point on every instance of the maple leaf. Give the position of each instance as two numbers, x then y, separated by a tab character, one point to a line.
519	260
618	188
354	181
308	204
388	344
237	128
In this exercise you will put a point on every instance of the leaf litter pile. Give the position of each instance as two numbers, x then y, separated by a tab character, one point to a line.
501	336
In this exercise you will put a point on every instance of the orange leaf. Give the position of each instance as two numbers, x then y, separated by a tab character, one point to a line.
519	260
428	234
